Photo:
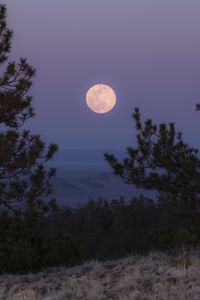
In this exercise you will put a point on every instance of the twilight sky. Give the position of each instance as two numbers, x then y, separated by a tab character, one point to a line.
148	51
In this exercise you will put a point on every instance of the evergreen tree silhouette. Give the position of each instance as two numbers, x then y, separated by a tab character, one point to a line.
24	181
161	161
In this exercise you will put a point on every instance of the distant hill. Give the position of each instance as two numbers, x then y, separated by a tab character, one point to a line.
83	174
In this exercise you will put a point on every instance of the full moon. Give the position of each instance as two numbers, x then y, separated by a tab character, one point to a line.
101	98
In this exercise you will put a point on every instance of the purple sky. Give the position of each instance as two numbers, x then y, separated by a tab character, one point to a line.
147	50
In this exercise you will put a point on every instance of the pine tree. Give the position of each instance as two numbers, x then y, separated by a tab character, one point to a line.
161	161
25	183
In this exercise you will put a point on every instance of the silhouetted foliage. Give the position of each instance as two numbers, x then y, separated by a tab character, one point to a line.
162	161
25	246
198	106
117	228
25	182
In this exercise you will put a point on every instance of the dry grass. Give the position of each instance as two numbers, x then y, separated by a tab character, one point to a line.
155	276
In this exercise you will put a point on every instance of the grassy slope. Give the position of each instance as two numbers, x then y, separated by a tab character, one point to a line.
155	276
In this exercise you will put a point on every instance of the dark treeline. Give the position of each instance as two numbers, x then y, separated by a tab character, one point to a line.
109	230
97	230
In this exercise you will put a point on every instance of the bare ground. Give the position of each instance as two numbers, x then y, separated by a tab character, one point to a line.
152	277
